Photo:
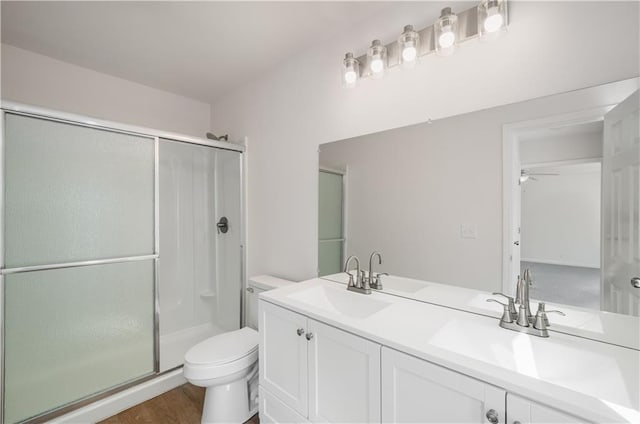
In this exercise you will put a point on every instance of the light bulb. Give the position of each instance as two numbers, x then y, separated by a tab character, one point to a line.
494	20
377	65
408	43
445	30
447	38
350	70
377	58
409	54
350	76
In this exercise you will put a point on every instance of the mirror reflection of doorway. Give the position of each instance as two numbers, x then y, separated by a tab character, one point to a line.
572	207
560	232
560	211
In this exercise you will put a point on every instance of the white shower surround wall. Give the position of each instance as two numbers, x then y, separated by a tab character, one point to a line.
302	104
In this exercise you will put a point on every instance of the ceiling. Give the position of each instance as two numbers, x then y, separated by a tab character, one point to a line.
196	49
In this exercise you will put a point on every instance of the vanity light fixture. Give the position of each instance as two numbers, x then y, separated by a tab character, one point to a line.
350	70
492	18
445	31
377	58
486	21
408	43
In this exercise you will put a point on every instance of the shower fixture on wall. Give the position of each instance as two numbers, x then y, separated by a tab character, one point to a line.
212	136
486	21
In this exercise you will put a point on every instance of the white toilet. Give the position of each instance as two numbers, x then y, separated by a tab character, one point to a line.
227	364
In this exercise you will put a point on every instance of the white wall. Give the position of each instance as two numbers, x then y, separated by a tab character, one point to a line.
567	147
561	217
39	80
551	47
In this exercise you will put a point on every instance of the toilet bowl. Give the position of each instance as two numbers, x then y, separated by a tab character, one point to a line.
227	364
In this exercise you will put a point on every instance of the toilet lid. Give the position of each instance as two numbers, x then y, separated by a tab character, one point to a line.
224	348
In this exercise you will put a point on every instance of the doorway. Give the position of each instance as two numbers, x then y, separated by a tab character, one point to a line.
553	202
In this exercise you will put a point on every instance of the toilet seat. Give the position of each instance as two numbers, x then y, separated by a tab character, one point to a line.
222	355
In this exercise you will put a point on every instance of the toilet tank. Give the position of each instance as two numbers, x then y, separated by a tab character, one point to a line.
256	286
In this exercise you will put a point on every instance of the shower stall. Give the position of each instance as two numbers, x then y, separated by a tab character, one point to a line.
121	248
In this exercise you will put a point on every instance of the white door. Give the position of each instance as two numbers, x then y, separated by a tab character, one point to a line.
417	391
344	377
621	208
525	411
283	355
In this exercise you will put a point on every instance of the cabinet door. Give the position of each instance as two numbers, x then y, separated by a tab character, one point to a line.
417	391
344	377
524	411
274	411
283	355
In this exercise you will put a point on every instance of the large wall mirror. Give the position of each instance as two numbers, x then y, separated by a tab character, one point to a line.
460	207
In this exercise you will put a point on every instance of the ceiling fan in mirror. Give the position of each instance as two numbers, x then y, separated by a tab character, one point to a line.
526	175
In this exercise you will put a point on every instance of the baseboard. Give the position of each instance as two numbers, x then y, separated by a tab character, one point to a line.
117	403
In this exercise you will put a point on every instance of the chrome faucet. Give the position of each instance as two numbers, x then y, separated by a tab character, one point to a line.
523	321
522	294
375	280
359	285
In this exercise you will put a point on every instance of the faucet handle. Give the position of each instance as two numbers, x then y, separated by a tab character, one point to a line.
350	283
376	280
506	314
512	306
542	313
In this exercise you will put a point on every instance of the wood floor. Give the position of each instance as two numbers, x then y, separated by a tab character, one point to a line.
182	405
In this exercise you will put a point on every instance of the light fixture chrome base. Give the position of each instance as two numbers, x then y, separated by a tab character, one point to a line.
467	29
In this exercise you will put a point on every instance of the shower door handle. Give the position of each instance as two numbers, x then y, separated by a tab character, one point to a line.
223	225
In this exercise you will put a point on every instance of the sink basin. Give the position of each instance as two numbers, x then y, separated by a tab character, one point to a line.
540	358
340	301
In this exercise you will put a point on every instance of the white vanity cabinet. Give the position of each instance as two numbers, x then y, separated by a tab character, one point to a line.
316	371
417	391
524	411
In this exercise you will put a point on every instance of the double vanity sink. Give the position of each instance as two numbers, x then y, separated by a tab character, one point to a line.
521	378
618	329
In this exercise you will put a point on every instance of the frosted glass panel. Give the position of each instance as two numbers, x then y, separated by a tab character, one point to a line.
70	333
199	268
75	193
330	204
329	257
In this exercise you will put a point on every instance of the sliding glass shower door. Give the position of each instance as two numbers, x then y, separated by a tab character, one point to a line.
78	269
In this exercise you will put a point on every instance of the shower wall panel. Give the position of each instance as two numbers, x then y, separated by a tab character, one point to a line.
199	266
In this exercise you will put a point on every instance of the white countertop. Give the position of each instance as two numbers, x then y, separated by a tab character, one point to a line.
623	330
595	380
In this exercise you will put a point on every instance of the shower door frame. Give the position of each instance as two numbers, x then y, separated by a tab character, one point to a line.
155	136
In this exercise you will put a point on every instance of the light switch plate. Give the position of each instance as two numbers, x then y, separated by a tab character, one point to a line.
468	231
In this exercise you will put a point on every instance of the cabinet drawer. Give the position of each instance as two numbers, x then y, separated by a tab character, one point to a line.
274	411
528	412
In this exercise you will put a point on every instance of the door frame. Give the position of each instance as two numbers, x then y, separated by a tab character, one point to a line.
510	159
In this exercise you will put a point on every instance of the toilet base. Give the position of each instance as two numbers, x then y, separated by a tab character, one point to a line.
228	403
